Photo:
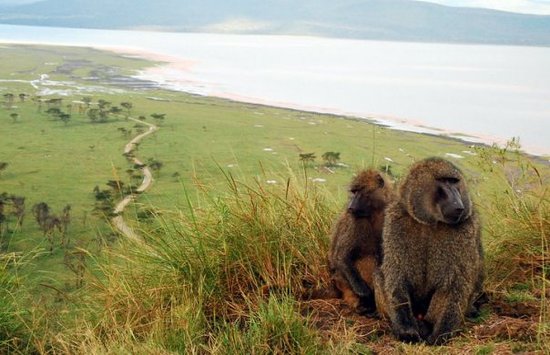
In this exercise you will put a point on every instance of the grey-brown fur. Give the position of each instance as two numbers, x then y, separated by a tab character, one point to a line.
356	240
432	271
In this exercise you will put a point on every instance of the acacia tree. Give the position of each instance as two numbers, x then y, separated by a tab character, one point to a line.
331	158
65	117
115	110
8	97
47	222
75	261
14	116
307	158
93	115
155	165
3	166
158	117
54	112
18	203
87	101
65	220
128	107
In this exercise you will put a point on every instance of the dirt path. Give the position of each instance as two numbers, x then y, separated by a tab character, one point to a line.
117	221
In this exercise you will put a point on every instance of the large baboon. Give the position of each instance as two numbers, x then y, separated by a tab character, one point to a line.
432	269
356	238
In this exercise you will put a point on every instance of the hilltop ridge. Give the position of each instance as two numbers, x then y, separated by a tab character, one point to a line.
401	20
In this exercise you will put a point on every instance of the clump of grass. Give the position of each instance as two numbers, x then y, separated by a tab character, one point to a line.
14	333
275	327
516	220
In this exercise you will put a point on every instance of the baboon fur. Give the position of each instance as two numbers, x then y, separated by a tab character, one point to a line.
356	240
432	270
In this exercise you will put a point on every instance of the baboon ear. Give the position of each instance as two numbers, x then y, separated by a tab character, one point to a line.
380	181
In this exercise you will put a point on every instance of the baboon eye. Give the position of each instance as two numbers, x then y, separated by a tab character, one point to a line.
441	194
450	180
380	181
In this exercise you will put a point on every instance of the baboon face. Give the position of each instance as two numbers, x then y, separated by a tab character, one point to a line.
435	191
369	194
450	200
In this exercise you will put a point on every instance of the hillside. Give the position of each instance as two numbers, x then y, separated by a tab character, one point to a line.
401	20
234	227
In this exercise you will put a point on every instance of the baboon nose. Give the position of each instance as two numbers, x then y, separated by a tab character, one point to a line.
459	212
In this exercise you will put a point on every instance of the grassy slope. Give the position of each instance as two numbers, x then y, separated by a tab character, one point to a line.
56	163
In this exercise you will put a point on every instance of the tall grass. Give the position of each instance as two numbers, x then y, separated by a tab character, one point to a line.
517	231
228	274
14	331
223	276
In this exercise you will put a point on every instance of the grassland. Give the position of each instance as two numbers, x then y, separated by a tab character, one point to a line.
236	226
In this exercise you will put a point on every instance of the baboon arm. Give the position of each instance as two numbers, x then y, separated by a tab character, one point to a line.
404	324
446	313
352	275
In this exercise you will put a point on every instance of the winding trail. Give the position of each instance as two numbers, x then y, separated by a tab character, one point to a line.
117	221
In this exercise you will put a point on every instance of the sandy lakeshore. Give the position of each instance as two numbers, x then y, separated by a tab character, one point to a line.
176	73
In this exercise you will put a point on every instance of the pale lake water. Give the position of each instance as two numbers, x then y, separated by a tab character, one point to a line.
477	92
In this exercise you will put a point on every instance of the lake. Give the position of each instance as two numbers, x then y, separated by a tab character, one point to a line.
480	93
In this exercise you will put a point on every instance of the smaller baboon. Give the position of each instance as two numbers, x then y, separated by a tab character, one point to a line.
356	239
431	276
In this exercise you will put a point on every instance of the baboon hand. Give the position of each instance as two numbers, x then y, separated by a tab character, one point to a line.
408	335
436	339
361	289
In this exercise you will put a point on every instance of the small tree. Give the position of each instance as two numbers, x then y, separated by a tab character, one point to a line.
8	97
115	110
307	158
93	114
155	165
87	101
75	260
3	166
18	203
158	117
128	107
54	102
54	112
14	116
331	158
65	220
65	117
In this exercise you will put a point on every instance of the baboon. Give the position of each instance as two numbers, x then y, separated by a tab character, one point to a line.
356	238
432	270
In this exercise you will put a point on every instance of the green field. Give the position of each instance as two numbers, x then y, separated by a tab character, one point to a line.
226	167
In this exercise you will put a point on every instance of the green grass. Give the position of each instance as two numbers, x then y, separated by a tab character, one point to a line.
228	256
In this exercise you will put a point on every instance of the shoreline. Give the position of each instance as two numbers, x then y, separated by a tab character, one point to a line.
166	63
162	62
